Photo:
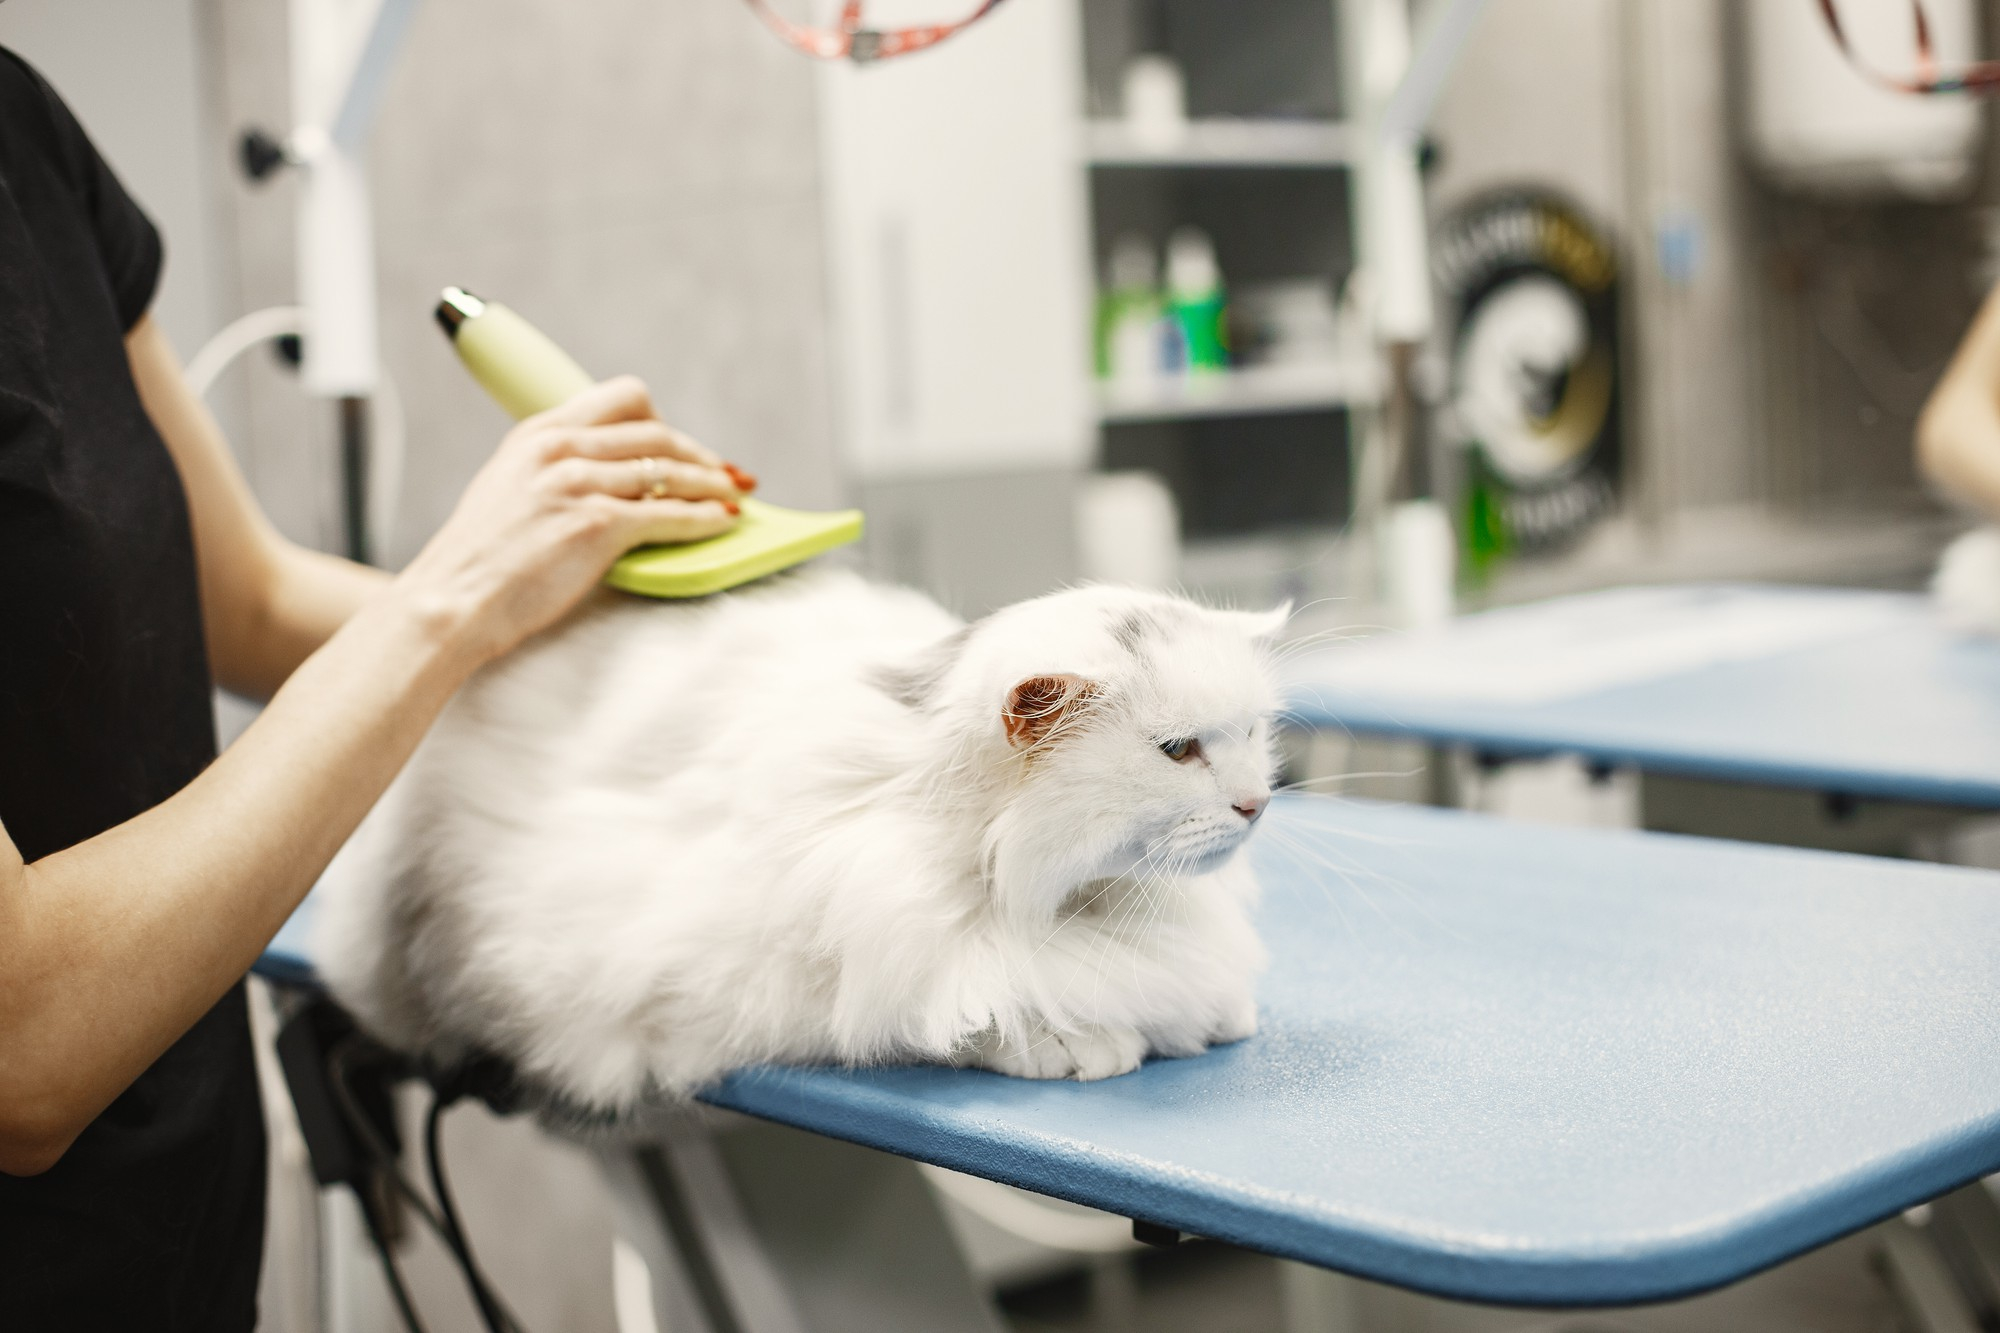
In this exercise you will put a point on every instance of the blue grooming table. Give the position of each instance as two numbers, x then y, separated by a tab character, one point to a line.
1870	697
1517	1064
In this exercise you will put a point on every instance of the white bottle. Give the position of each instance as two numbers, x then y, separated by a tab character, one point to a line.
1155	103
1134	322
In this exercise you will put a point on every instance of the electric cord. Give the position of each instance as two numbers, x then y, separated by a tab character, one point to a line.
390	1271
379	1153
493	1311
338	1065
387	419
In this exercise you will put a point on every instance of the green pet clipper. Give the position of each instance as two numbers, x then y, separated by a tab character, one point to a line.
527	373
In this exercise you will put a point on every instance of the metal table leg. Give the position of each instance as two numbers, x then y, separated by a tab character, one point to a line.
1966	1227
1923	1284
748	1227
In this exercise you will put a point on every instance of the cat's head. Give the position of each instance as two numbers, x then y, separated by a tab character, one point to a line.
1127	731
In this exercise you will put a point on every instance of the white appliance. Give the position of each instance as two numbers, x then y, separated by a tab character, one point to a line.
1818	125
959	248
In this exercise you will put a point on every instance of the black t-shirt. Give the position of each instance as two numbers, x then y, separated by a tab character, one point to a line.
154	1218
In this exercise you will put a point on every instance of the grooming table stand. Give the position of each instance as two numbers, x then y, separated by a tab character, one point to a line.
1497	1062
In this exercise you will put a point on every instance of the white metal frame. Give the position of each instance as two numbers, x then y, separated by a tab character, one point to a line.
341	54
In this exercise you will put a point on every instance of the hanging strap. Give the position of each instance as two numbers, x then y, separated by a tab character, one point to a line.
852	40
1981	77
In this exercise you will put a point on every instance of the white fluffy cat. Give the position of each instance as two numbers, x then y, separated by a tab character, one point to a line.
1967	582
822	820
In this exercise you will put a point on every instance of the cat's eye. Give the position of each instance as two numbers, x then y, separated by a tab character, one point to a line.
1182	749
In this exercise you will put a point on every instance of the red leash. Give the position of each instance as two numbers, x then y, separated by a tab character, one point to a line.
1980	77
852	41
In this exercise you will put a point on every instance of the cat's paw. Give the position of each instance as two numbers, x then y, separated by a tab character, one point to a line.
1092	1053
1239	1022
1104	1052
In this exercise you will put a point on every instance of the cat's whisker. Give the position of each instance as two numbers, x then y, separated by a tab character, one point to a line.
1372	839
1311	721
1306	784
1354	875
1331	599
1285	843
1108	939
1154	883
1158	909
1319	640
1309	643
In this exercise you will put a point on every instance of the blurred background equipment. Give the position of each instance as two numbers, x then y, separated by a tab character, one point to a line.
1531	287
909	249
853	39
1819	118
1926	74
1219	142
341	53
1128	530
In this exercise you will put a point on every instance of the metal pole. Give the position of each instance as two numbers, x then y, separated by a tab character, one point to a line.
354	477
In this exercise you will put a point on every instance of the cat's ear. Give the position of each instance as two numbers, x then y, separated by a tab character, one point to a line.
1257	626
1041	705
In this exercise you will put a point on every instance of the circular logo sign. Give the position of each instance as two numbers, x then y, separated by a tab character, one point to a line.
1532	290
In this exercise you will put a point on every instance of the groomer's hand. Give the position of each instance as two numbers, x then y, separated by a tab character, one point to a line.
112	948
567	492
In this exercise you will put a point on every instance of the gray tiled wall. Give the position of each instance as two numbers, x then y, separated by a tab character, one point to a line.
637	176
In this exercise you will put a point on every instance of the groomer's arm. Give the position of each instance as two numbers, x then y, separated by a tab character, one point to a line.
1958	435
266	603
111	949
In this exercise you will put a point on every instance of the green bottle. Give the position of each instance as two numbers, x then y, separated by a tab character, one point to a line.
1195	301
1130	342
1485	539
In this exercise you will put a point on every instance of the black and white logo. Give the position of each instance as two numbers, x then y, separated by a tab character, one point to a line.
1532	288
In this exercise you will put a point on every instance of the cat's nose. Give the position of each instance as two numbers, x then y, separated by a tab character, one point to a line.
1251	806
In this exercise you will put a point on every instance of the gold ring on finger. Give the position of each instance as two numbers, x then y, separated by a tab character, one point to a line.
655	477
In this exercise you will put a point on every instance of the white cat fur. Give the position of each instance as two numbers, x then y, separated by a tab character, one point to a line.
788	825
1967	582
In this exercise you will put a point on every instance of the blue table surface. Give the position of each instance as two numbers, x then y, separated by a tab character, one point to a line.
1902	709
1510	1063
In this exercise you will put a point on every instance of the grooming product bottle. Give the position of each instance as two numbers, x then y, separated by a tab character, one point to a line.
1195	300
1130	334
1155	97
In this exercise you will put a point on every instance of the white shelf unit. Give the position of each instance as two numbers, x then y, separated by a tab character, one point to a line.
1243	143
1227	142
1265	165
1254	390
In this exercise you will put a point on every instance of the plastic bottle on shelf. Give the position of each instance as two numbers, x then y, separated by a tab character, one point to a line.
1419	563
1130	319
1155	97
1195	301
